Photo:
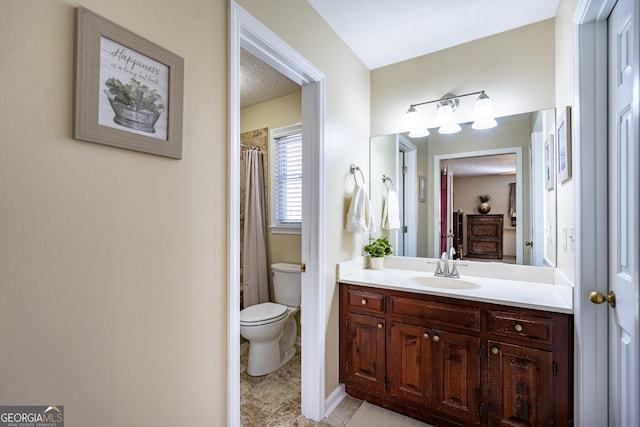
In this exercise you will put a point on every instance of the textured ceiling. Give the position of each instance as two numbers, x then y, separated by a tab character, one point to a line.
259	82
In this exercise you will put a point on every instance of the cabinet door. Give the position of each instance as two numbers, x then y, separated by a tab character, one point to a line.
520	386
456	375
409	362
366	351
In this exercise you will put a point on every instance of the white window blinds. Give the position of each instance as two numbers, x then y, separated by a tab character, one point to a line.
287	169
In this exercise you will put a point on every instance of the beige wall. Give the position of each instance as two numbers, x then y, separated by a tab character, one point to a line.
112	262
283	111
564	97
516	68
465	193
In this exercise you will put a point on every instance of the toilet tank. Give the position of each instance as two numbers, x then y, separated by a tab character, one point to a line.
286	284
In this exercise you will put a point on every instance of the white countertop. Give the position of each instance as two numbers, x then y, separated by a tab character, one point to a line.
518	293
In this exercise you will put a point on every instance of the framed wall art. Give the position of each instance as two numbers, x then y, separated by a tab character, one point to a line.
128	90
422	188
564	145
549	167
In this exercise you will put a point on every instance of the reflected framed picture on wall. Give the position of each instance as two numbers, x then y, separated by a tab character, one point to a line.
549	168
564	145
128	90
422	189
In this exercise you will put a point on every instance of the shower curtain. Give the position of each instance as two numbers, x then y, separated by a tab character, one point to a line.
255	270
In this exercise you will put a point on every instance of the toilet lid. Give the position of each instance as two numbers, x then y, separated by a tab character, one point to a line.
261	313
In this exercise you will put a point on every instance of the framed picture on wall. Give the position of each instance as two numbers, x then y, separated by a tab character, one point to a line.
128	90
564	145
422	189
549	167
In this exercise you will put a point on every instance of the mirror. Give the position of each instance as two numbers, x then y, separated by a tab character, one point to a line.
438	178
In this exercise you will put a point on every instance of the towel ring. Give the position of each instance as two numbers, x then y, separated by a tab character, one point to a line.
386	180
353	168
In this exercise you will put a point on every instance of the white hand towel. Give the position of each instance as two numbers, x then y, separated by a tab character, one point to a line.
391	212
360	215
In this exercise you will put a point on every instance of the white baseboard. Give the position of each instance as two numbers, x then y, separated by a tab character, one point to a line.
334	399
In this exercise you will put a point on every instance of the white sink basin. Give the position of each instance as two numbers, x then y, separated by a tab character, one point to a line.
443	283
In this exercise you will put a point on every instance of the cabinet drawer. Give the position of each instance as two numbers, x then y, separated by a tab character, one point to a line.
364	300
436	313
522	326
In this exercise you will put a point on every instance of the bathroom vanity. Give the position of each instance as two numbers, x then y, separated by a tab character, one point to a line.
457	352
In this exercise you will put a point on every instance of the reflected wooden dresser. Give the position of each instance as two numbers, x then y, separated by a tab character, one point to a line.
484	236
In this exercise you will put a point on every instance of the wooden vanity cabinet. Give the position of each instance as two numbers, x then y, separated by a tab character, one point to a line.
452	362
434	368
364	340
366	344
529	367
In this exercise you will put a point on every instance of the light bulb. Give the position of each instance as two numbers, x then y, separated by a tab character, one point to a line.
482	124
447	120
412	119
449	129
419	133
483	114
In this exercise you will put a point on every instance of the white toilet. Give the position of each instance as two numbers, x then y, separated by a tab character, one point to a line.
271	327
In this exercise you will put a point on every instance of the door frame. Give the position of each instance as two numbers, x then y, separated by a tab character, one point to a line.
409	191
436	191
591	221
246	32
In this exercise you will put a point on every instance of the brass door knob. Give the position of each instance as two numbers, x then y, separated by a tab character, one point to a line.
528	243
600	298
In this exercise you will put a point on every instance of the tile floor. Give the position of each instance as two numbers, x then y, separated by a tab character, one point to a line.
274	399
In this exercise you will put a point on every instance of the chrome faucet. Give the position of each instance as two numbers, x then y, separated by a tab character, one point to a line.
443	271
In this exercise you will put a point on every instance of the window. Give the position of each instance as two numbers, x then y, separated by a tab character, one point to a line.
286	179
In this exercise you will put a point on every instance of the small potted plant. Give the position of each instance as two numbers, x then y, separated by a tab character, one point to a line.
135	105
377	249
484	206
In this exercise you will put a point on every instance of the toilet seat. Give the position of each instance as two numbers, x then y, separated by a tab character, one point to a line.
262	314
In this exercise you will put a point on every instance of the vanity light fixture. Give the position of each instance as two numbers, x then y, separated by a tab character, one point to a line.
483	115
412	122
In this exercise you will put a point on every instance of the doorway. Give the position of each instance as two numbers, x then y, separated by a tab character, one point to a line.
248	33
592	376
407	190
438	162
